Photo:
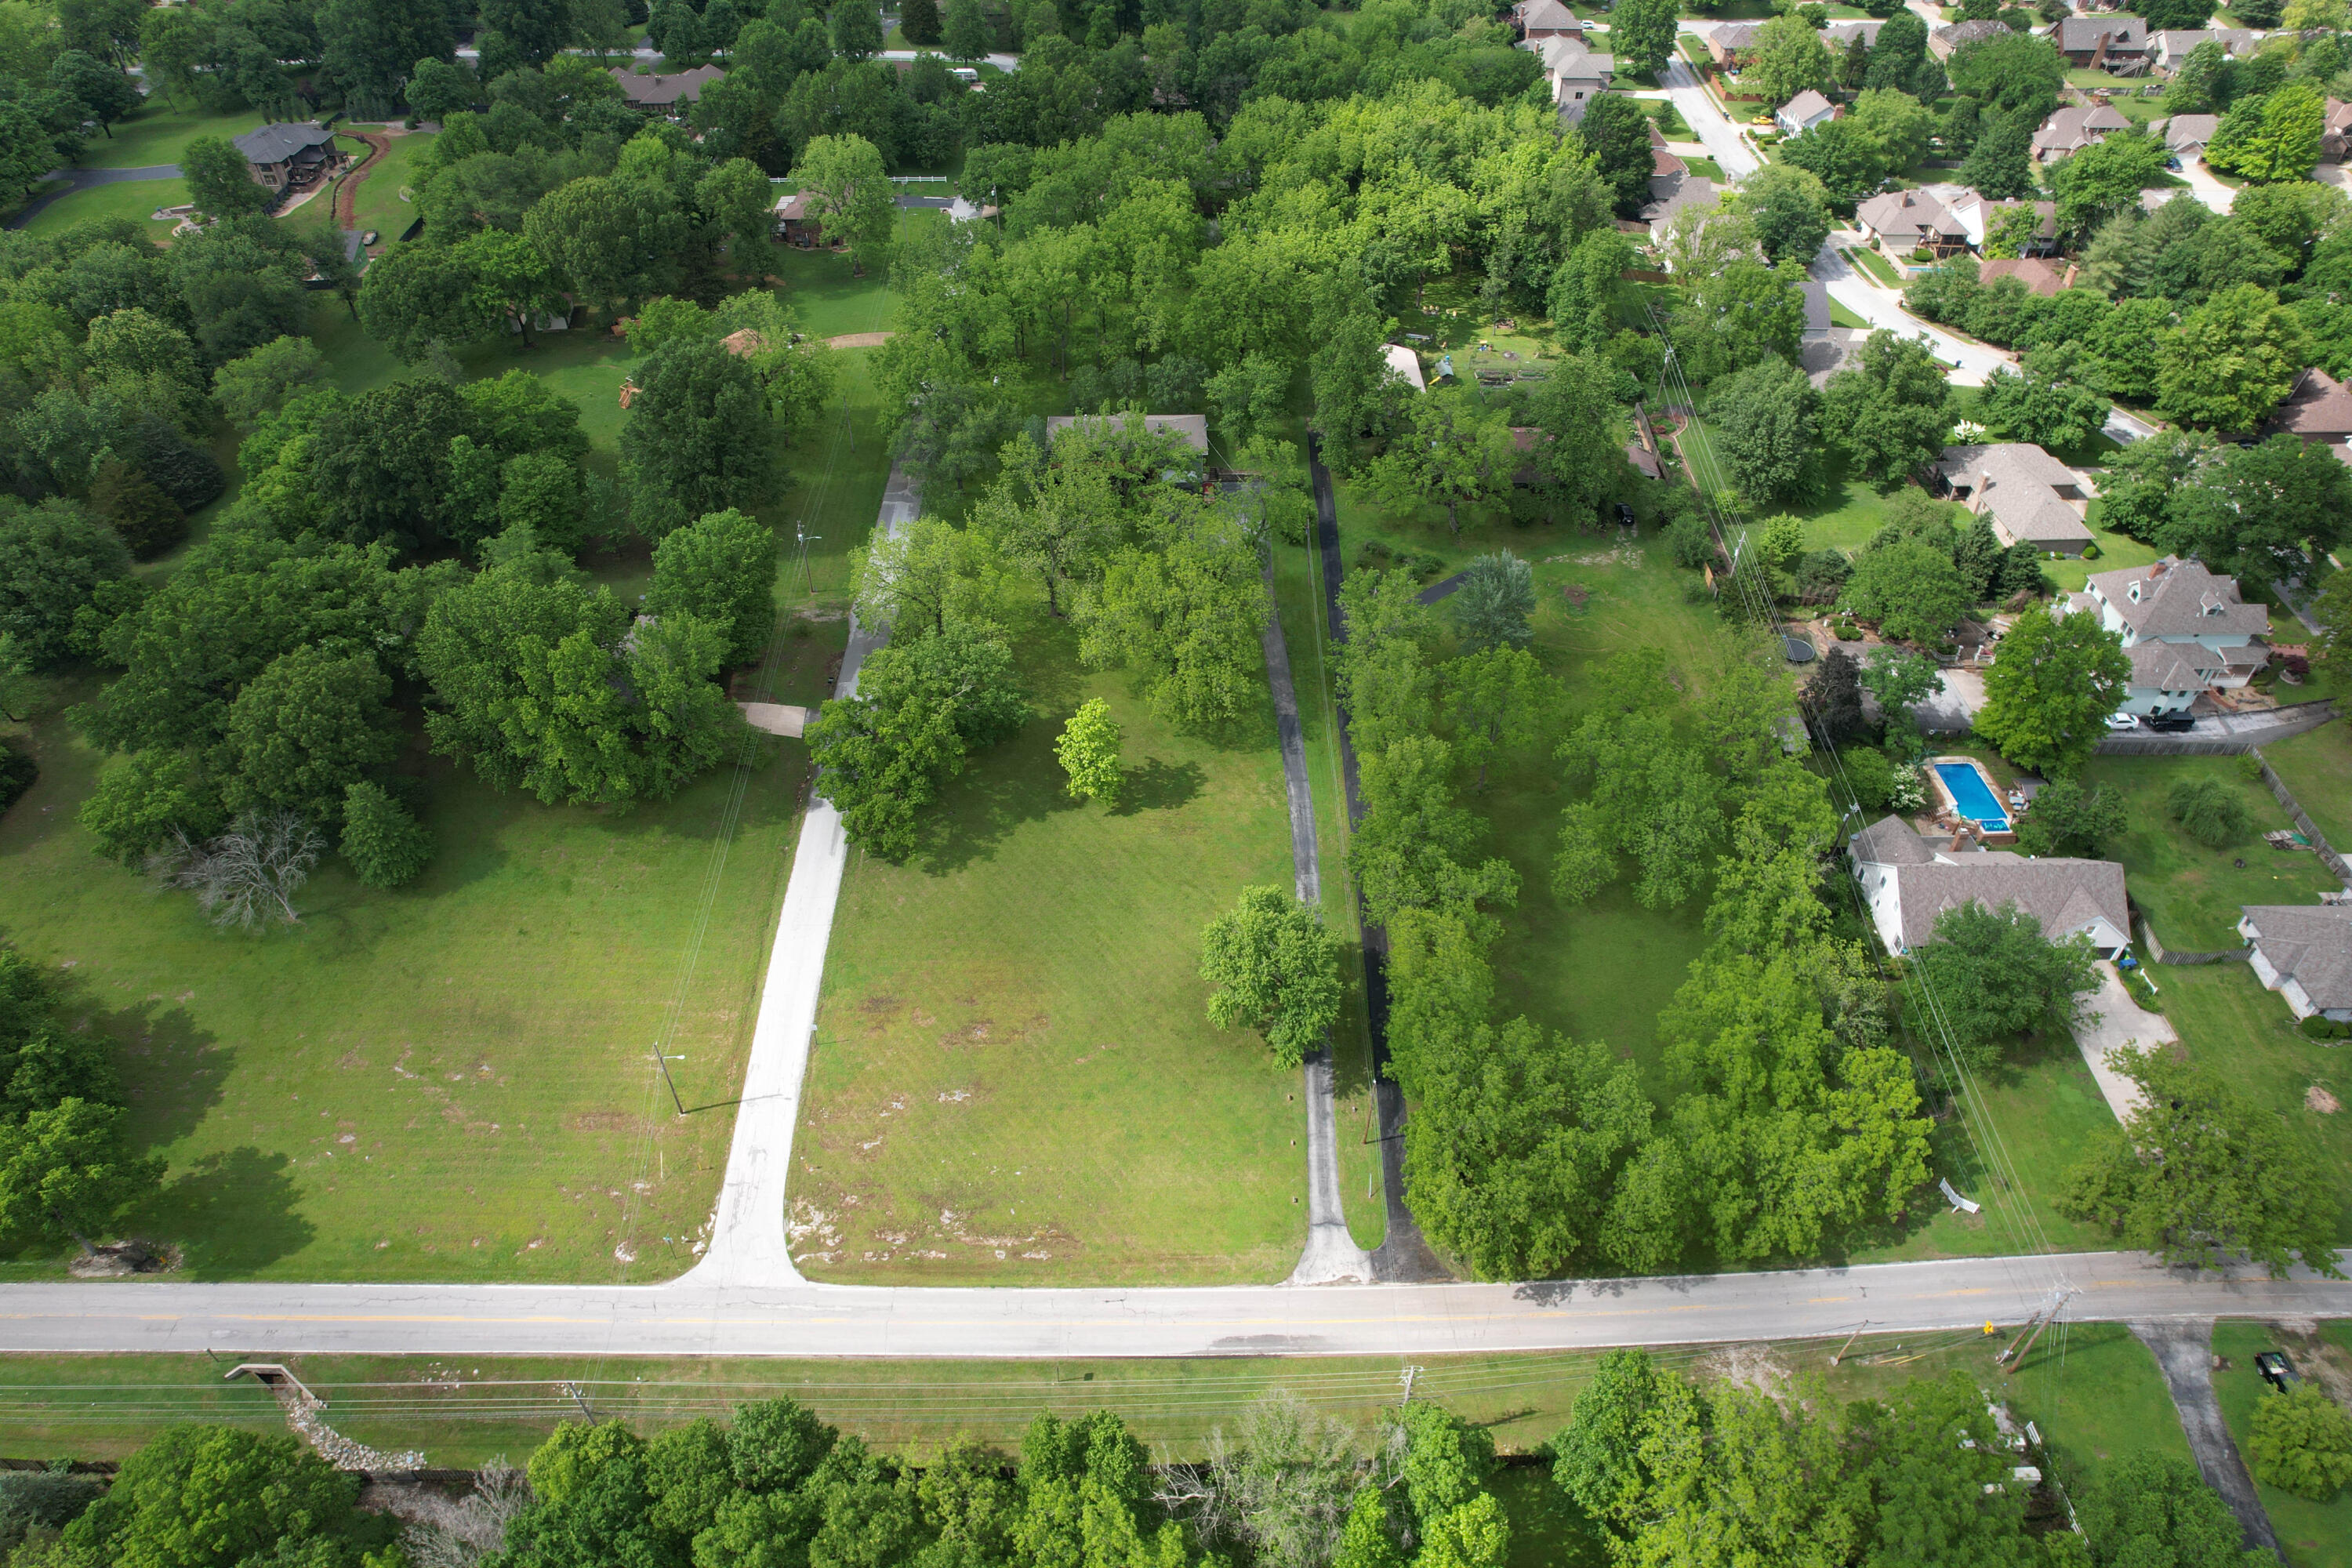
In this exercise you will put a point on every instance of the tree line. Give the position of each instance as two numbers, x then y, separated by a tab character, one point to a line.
1651	1467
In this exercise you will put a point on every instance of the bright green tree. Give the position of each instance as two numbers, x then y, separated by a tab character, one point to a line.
700	438
1995	975
220	182
857	29
1891	409
2303	1443
966	37
1767	420
2047	700
850	192
2199	1174
266	380
722	568
1642	34
1497	700
1911	590
216	1497
1496	602
1276	970
1088	750
1789	57
64	1174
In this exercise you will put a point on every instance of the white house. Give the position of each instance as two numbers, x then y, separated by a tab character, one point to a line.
1804	111
2187	631
1909	881
1577	75
2303	952
1405	365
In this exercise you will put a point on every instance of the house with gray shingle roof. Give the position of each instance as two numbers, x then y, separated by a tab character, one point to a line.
2114	44
2303	952
2214	638
2072	127
2030	496
1909	881
1944	42
290	154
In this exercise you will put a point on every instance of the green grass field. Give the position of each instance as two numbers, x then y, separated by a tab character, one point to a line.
472	1050
1875	265
379	205
2228	1022
2094	1390
2316	768
1014	1080
2044	1106
2191	893
445	1082
2311	1534
157	133
137	200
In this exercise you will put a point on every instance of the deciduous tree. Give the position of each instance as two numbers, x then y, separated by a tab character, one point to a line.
721	568
2197	1174
1276	970
1088	750
2047	700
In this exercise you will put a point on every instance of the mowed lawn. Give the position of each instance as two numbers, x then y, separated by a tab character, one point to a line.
385	201
158	132
455	1080
2311	1534
2247	1034
2316	768
137	200
449	1082
1014	1080
2191	894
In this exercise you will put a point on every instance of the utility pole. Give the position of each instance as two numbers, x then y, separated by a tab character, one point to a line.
2014	1357
802	539
665	1062
1406	1377
1849	1343
573	1390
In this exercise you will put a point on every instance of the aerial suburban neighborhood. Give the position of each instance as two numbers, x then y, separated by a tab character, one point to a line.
1175	784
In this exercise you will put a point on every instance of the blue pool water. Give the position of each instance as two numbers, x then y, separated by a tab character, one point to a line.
1976	802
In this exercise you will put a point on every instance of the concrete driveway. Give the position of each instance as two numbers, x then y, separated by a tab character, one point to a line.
1952	706
2118	1021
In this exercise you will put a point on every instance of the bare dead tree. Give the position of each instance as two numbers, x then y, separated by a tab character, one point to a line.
445	1534
247	876
1280	1487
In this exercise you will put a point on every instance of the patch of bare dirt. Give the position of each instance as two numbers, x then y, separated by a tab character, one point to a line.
123	1260
1752	1366
600	1121
2319	1099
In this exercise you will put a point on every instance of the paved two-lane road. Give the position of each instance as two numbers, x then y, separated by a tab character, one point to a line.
802	1319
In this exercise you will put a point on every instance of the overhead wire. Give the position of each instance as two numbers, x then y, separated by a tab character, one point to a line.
1717	503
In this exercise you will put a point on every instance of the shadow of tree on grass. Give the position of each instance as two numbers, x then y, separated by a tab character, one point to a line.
230	1214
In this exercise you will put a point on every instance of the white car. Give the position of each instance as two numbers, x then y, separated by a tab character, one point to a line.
2122	722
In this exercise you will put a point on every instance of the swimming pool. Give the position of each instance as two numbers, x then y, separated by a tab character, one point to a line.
1973	795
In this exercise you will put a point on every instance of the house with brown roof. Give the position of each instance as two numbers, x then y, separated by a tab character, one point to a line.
1732	45
2319	409
1944	42
2334	130
1193	427
2114	44
2303	952
1840	35
1905	221
2072	127
2029	497
793	224
1909	881
2040	275
2187	629
667	95
1671	194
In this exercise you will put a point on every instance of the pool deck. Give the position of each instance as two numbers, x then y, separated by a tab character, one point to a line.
1947	813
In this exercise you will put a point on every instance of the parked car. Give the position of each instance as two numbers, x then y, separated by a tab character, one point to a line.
1625	515
2168	723
2123	721
2276	1369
